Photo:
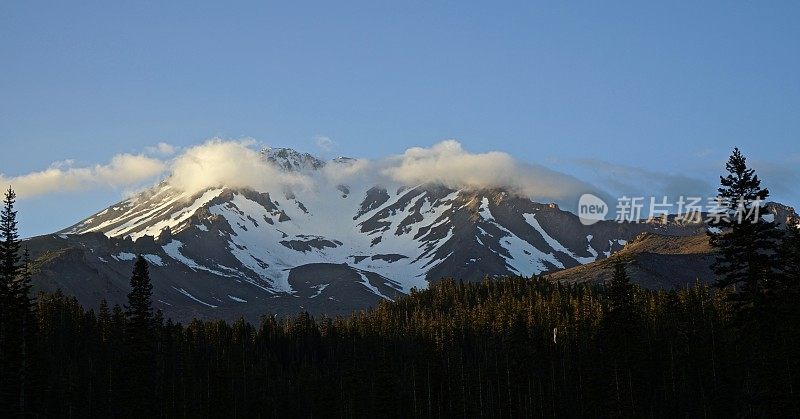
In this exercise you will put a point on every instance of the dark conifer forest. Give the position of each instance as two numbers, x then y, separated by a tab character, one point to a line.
501	348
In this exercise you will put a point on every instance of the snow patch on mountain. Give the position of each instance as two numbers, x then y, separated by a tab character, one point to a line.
553	243
406	234
237	299
365	282
318	290
177	218
154	259
173	250
124	256
522	257
186	293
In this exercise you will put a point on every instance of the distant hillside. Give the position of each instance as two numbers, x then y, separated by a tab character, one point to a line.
653	261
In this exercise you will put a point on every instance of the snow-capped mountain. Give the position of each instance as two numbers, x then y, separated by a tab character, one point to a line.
223	252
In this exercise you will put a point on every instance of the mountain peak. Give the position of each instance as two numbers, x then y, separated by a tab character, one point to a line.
330	249
290	159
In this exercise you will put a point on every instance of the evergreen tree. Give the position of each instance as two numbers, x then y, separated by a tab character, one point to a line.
621	310
25	305
10	319
746	243
9	255
789	253
620	330
23	284
140	343
787	312
103	372
118	367
749	260
9	248
139	310
471	350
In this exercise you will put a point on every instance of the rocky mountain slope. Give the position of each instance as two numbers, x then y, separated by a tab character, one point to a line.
329	248
652	261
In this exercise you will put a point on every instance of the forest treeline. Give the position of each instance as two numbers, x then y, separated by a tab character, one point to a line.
515	347
501	348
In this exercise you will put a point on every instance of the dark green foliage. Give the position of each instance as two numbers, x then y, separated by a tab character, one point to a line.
9	246
464	350
619	336
788	282
746	242
17	320
514	347
787	308
139	378
758	261
621	309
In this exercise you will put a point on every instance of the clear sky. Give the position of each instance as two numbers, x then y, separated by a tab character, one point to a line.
593	89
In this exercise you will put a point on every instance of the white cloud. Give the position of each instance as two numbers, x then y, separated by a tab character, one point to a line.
124	170
448	163
239	163
163	149
345	172
233	164
230	163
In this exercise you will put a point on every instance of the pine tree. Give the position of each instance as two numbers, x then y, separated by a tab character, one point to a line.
9	254
140	343
620	296
23	284
789	254
139	310
745	241
10	319
103	369
118	366
25	305
9	247
620	333
749	260
787	309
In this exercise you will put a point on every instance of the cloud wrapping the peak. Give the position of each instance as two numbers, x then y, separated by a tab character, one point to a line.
239	164
234	164
449	164
343	172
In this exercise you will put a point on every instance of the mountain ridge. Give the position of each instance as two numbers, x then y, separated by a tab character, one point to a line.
332	248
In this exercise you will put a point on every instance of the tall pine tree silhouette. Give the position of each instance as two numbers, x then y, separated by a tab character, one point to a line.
789	280
9	244
621	327
17	317
27	327
140	345
620	297
748	260
10	353
745	241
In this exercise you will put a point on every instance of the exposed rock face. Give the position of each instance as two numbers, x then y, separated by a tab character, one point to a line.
222	252
653	261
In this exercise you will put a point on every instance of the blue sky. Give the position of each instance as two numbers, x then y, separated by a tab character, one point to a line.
615	93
